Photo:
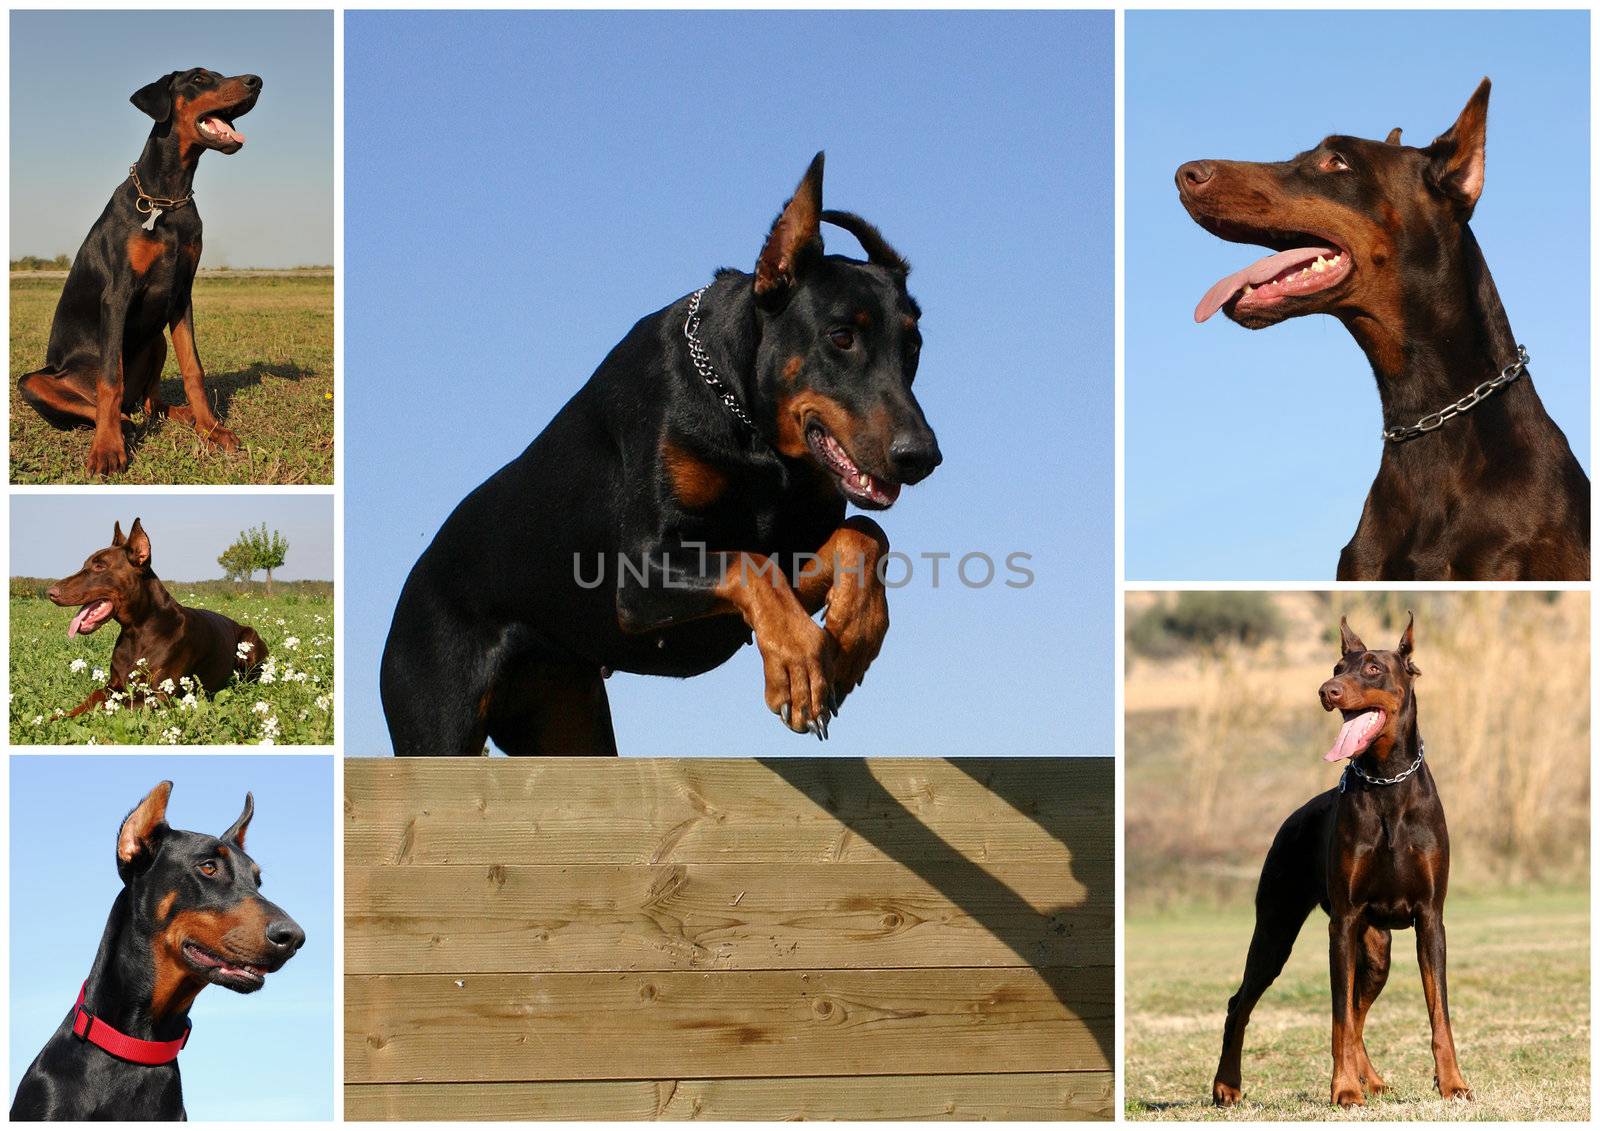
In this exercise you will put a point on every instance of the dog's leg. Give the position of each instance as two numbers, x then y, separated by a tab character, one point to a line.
1345	931
108	453
1372	971
1430	959
844	576
144	371
543	708
1279	915
94	700
198	412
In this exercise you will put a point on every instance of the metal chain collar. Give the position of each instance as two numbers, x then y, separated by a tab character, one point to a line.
153	202
1435	419
703	366
1351	767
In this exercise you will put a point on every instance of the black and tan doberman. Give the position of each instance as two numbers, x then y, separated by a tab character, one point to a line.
132	280
690	496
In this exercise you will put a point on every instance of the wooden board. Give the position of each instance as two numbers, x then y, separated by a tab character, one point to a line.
650	811
1013	1095
480	1027
731	939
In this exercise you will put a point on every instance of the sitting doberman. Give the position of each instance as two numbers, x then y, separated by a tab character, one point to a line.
160	640
1476	481
691	494
133	277
189	915
1374	853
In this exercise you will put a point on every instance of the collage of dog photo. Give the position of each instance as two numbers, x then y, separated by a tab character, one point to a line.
461	550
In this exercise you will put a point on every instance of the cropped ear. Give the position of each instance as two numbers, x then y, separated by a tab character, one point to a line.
142	830
1348	640
1456	156
796	236
117	537
1407	640
138	544
1394	136
235	833
155	98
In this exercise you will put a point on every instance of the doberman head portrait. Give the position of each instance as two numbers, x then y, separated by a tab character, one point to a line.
1372	691
1476	481
190	914
197	108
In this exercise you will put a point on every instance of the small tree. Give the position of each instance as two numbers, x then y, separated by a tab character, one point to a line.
255	549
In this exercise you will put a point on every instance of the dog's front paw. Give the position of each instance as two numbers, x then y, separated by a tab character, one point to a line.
1225	1095
858	619
108	458
219	436
1455	1089
798	658
1348	1095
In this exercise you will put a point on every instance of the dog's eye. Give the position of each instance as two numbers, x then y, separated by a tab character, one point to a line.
1374	669
208	868
99	565
1335	163
842	336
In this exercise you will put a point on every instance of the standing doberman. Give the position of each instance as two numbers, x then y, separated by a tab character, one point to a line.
691	494
133	277
189	915
1476	480
161	640
1374	853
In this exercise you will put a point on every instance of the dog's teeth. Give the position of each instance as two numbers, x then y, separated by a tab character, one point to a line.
1248	288
1320	265
864	479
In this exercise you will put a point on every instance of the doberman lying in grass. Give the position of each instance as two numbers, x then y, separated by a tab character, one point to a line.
1476	481
189	915
133	277
691	495
161	640
1374	853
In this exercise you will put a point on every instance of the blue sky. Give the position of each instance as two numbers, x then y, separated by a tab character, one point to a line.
74	133
283	1032
1240	445
578	171
51	535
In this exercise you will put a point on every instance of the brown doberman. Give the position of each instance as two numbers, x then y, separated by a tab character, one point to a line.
1374	853
134	275
1476	481
161	639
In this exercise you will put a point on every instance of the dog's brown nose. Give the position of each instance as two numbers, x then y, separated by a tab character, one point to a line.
54	593
1193	175
1330	693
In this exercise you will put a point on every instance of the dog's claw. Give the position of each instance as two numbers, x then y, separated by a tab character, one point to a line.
783	713
833	700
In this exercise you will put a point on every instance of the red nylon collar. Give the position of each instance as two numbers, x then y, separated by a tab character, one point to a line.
87	1027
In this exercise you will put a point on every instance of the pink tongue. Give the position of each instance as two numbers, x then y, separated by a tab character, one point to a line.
1353	736
72	629
1255	274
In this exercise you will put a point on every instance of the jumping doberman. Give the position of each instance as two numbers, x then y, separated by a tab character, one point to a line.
1476	480
1374	853
132	279
190	914
161	640
691	494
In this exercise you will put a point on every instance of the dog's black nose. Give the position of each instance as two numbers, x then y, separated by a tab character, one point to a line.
914	456
252	81
1193	175
285	935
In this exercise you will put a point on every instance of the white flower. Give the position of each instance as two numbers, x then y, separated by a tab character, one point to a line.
98	675
188	702
245	648
291	642
168	686
323	702
261	708
171	736
79	664
38	720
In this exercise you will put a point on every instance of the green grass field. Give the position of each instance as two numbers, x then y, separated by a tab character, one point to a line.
292	704
1519	999
266	341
